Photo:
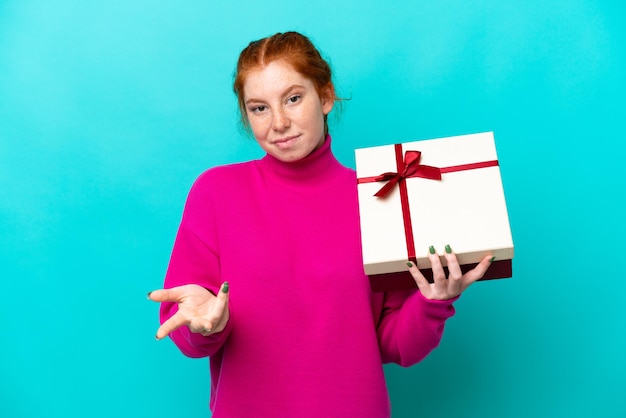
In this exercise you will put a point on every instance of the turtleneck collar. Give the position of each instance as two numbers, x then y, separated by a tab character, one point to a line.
314	167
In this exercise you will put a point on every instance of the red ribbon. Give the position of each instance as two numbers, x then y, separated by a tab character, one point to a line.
409	167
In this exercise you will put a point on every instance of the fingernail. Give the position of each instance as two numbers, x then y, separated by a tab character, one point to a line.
225	287
156	337
149	293
408	263
492	258
448	249
431	249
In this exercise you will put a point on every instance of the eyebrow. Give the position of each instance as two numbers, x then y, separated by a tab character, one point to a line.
284	93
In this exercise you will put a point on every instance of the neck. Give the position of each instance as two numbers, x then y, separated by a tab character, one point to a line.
311	168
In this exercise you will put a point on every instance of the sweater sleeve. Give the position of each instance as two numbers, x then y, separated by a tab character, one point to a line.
411	326
195	260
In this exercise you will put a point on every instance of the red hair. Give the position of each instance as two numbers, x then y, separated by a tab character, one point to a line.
295	49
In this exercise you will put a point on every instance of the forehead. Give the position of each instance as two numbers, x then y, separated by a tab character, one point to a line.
273	79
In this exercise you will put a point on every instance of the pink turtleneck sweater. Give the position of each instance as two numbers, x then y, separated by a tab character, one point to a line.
306	336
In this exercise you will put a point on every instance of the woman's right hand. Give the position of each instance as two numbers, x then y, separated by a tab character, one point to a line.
202	311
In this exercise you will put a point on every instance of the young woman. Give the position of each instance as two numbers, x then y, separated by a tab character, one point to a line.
266	276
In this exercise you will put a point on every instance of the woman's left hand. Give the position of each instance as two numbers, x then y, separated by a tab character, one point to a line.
444	288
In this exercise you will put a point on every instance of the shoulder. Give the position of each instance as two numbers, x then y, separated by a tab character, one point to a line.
348	172
346	175
218	182
215	177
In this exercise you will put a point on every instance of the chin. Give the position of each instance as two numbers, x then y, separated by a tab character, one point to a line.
290	157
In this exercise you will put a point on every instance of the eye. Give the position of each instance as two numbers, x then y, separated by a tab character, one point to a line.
258	109
294	99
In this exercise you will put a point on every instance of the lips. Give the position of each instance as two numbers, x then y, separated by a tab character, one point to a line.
285	142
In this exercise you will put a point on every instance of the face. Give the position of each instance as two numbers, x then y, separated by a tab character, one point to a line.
285	111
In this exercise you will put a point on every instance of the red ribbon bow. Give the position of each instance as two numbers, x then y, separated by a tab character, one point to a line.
411	168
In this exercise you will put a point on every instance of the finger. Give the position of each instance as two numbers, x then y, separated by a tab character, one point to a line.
221	301
200	326
218	316
439	276
175	294
210	328
479	271
222	322
196	325
454	271
176	321
419	278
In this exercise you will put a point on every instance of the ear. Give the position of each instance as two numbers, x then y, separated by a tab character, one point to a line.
328	98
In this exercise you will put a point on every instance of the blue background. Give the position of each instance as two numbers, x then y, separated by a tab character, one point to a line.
110	109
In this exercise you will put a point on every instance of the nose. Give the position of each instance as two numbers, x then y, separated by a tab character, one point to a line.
280	121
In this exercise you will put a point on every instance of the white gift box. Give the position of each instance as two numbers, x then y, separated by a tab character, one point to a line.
465	208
